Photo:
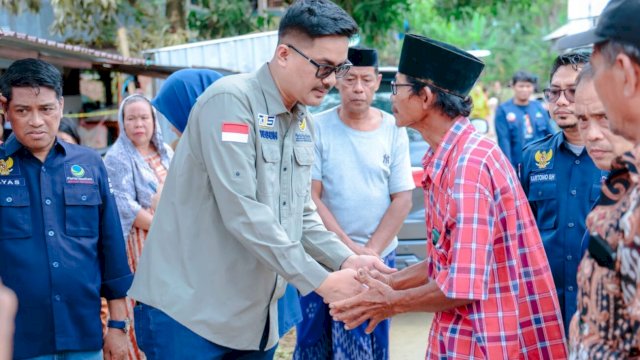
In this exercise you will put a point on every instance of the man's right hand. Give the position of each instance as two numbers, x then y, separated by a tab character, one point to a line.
340	285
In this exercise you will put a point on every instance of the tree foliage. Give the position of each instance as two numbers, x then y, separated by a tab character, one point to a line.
376	18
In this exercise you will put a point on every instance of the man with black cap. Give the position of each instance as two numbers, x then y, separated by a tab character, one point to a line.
362	157
607	322
486	276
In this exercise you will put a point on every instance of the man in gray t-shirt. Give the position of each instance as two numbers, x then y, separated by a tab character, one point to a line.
361	185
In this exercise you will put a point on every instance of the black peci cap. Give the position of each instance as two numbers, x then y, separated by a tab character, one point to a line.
363	57
618	21
441	65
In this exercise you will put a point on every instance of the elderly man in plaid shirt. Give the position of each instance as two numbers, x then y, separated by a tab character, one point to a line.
486	276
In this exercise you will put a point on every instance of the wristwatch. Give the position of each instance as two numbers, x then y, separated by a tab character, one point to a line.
121	325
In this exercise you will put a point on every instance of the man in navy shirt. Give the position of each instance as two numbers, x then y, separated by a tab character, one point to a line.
520	120
562	182
61	247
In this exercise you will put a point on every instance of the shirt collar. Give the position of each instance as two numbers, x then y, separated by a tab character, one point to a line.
12	145
434	160
270	90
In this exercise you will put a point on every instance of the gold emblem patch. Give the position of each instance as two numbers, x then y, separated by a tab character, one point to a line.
543	158
6	166
303	124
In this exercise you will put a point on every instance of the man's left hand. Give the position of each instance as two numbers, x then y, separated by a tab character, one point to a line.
368	262
374	304
116	345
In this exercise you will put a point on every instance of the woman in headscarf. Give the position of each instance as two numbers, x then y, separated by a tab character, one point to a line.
137	164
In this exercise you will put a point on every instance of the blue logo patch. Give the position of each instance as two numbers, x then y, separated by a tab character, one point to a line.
76	174
269	135
303	137
266	120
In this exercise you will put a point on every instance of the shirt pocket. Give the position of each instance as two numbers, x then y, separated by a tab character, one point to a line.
82	210
304	159
270	180
544	196
15	213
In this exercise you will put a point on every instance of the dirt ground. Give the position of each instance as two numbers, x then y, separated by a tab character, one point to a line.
409	334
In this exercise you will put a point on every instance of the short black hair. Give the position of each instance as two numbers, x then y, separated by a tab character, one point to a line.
575	59
611	48
586	74
450	105
317	18
523	76
33	73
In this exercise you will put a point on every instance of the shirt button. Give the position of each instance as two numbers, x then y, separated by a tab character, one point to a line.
55	264
51	233
573	192
571	225
84	197
570	288
48	201
9	199
577	162
569	257
57	297
285	169
284	203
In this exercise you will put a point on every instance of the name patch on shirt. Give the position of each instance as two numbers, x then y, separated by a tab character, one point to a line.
235	132
12	182
78	174
269	135
542	177
303	137
6	167
266	121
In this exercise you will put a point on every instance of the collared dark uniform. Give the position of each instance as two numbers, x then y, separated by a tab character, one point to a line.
517	126
561	188
61	246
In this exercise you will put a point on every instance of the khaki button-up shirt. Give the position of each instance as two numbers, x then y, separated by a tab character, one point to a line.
236	216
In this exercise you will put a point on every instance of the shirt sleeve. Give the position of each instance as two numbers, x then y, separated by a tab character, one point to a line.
231	169
400	178
316	170
114	266
470	258
502	132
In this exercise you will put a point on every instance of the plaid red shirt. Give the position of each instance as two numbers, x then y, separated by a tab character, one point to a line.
483	244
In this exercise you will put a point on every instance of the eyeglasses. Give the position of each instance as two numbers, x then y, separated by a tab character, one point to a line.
325	70
395	85
553	94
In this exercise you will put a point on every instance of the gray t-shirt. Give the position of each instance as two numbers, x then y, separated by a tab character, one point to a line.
359	171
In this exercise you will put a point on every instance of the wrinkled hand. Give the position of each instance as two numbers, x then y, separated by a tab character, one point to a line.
368	262
374	304
340	285
116	345
362	250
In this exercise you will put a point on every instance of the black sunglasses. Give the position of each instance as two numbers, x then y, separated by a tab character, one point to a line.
553	94
324	70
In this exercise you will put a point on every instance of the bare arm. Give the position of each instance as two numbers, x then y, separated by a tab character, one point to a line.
116	342
143	219
331	223
391	221
8	309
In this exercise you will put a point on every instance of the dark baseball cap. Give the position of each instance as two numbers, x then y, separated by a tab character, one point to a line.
618	21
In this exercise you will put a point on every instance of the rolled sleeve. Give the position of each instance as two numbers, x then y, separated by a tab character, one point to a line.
116	274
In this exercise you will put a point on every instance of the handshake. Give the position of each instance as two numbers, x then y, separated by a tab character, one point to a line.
360	291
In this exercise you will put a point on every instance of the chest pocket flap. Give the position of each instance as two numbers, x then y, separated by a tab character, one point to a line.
304	155
544	197
15	213
271	154
82	214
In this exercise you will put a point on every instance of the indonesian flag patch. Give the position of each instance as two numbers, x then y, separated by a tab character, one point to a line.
235	132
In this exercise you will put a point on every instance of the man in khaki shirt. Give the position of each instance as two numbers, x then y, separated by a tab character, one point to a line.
236	220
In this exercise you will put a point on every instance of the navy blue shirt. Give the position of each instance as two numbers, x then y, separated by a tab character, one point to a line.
517	126
61	246
561	188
